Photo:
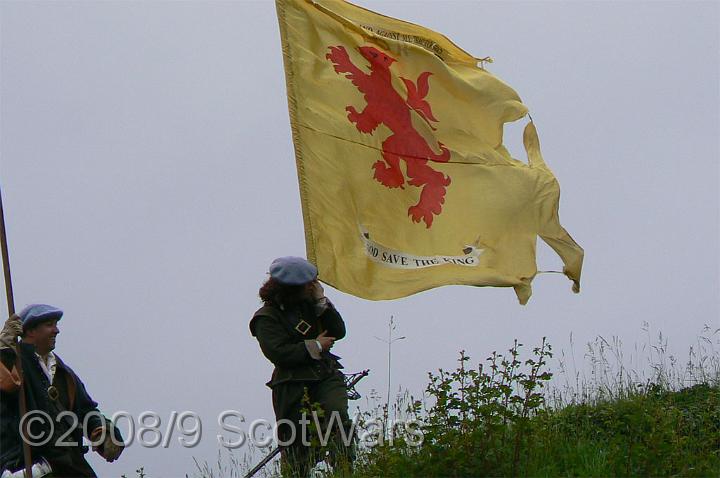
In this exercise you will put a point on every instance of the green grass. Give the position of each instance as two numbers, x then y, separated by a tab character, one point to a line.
495	419
650	434
654	433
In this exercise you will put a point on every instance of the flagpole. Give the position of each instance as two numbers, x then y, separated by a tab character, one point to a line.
27	457
6	262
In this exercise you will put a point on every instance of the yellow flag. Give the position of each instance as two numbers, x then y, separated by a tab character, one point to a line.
404	181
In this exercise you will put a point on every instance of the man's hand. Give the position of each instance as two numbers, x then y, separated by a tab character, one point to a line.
317	292
326	342
108	449
10	331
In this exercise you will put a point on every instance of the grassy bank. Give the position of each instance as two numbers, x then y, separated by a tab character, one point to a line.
653	433
501	418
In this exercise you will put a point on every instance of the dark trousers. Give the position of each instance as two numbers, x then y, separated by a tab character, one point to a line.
329	397
72	465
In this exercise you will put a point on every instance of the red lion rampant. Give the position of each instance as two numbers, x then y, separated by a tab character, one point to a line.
386	106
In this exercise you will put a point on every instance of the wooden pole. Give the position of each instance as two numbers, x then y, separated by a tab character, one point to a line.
6	262
27	456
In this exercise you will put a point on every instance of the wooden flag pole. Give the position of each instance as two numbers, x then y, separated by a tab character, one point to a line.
18	361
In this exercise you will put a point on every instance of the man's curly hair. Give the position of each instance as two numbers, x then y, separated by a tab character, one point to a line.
277	293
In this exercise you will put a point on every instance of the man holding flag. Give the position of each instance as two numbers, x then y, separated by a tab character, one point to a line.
296	328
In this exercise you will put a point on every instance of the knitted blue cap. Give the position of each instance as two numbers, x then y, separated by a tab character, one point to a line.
293	270
33	314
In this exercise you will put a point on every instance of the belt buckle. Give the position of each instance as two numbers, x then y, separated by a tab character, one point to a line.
303	327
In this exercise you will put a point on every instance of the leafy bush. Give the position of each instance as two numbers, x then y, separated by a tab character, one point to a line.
478	422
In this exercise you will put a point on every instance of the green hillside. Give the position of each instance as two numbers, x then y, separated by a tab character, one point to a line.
493	420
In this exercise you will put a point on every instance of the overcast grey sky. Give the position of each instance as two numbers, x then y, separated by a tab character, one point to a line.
148	179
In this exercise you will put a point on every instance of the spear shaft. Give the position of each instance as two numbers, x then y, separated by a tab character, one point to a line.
27	456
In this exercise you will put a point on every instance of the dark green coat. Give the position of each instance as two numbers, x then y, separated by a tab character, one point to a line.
280	334
73	397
